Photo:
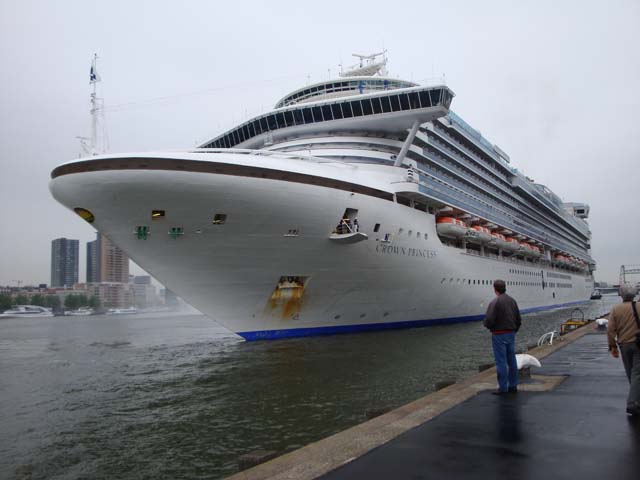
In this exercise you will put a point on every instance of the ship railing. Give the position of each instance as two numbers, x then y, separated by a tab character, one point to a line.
268	153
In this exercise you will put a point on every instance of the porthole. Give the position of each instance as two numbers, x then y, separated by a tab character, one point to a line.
219	218
377	227
85	214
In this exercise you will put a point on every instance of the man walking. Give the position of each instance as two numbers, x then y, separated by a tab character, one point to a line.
503	319
624	326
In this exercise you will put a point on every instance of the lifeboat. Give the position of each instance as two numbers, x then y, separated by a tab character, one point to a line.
511	244
499	240
451	227
480	234
525	249
561	259
535	251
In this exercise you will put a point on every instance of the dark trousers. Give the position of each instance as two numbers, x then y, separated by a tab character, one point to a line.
630	354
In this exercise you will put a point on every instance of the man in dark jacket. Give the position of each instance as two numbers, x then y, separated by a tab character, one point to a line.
503	319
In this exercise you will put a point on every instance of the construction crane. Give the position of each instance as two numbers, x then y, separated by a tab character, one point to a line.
627	270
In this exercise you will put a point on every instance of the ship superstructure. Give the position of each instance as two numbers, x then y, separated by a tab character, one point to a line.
357	203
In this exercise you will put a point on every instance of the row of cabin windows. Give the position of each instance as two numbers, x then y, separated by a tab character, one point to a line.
469	281
525	272
335	111
345	86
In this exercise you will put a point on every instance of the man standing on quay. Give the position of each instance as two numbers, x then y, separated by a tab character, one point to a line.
624	328
503	319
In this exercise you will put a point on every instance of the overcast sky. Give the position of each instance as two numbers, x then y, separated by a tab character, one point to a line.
555	84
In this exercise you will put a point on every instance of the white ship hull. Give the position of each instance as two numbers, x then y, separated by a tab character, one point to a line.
277	229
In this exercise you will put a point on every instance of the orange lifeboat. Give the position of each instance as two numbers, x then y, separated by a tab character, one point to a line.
451	227
499	240
480	234
512	244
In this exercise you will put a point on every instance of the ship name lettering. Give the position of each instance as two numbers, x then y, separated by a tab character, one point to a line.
405	251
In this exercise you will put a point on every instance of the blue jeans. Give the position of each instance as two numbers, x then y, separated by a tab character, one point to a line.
504	352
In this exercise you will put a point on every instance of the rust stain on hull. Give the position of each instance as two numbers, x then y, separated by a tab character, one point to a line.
287	298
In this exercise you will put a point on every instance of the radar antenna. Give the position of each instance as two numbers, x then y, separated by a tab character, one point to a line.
368	65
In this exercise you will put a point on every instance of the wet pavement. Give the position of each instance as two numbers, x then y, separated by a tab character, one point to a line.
579	430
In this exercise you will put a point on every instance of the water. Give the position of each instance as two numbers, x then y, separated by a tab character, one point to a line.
169	396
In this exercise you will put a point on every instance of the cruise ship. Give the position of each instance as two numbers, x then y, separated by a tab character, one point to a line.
358	203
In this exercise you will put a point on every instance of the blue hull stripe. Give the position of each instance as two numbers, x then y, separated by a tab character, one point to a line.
362	327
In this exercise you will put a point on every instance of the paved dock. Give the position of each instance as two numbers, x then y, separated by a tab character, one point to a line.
568	422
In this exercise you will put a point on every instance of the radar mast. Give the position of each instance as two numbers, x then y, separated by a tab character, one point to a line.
369	65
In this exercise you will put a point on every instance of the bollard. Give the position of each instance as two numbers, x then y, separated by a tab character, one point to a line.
485	366
254	458
376	412
524	372
443	384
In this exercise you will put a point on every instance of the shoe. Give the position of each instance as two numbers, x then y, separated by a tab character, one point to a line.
635	411
498	392
513	389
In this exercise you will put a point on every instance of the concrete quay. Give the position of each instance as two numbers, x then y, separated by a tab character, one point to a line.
567	421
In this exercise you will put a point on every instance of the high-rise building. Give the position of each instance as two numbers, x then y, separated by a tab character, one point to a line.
93	261
113	263
64	262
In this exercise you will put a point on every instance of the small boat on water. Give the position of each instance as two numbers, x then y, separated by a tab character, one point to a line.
27	311
80	312
122	311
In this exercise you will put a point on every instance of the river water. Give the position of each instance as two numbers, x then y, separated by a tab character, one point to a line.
176	396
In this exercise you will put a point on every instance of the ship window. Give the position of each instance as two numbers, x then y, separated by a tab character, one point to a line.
404	101
245	131
375	103
326	112
219	218
376	228
357	108
280	120
306	115
424	99
366	106
157	214
297	117
252	132
288	118
236	139
426	236
386	105
257	127
395	103
271	122
414	100
435	97
337	113
346	110
317	114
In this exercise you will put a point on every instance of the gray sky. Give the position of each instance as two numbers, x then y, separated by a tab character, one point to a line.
554	84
